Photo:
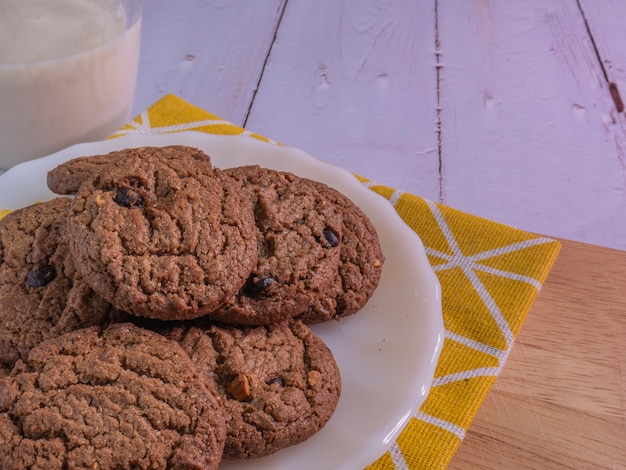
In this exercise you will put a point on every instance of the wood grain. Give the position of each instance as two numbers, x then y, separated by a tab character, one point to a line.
210	53
530	133
606	25
560	402
500	109
354	82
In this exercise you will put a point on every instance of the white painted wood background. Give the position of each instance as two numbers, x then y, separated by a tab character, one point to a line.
499	108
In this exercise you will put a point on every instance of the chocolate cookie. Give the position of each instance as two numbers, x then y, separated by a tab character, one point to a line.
298	238
41	294
67	177
122	397
360	263
160	237
279	384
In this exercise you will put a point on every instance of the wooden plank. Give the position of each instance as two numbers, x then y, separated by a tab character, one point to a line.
559	402
605	20
209	53
354	82
530	135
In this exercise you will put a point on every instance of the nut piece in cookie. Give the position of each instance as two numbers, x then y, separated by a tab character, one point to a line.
161	237
298	239
279	383
120	397
41	294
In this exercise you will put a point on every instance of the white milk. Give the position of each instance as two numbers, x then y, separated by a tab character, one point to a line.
68	70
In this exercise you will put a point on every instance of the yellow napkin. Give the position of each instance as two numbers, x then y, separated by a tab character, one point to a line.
490	275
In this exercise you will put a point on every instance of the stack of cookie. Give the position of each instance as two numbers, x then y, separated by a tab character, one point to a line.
155	314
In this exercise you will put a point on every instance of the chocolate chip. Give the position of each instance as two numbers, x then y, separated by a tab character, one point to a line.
41	275
331	237
128	197
258	285
276	380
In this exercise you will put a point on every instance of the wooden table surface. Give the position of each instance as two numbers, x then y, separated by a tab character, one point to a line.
560	402
508	110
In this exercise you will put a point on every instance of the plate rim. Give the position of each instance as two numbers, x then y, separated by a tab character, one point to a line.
340	176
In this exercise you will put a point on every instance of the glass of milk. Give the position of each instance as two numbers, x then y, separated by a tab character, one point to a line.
68	70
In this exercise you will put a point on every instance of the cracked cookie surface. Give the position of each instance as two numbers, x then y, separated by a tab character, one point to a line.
279	384
161	237
360	263
120	397
67	177
41	293
298	241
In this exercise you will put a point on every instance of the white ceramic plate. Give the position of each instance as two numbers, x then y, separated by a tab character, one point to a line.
387	352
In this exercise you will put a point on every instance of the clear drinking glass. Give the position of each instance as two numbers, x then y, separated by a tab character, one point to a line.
68	71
